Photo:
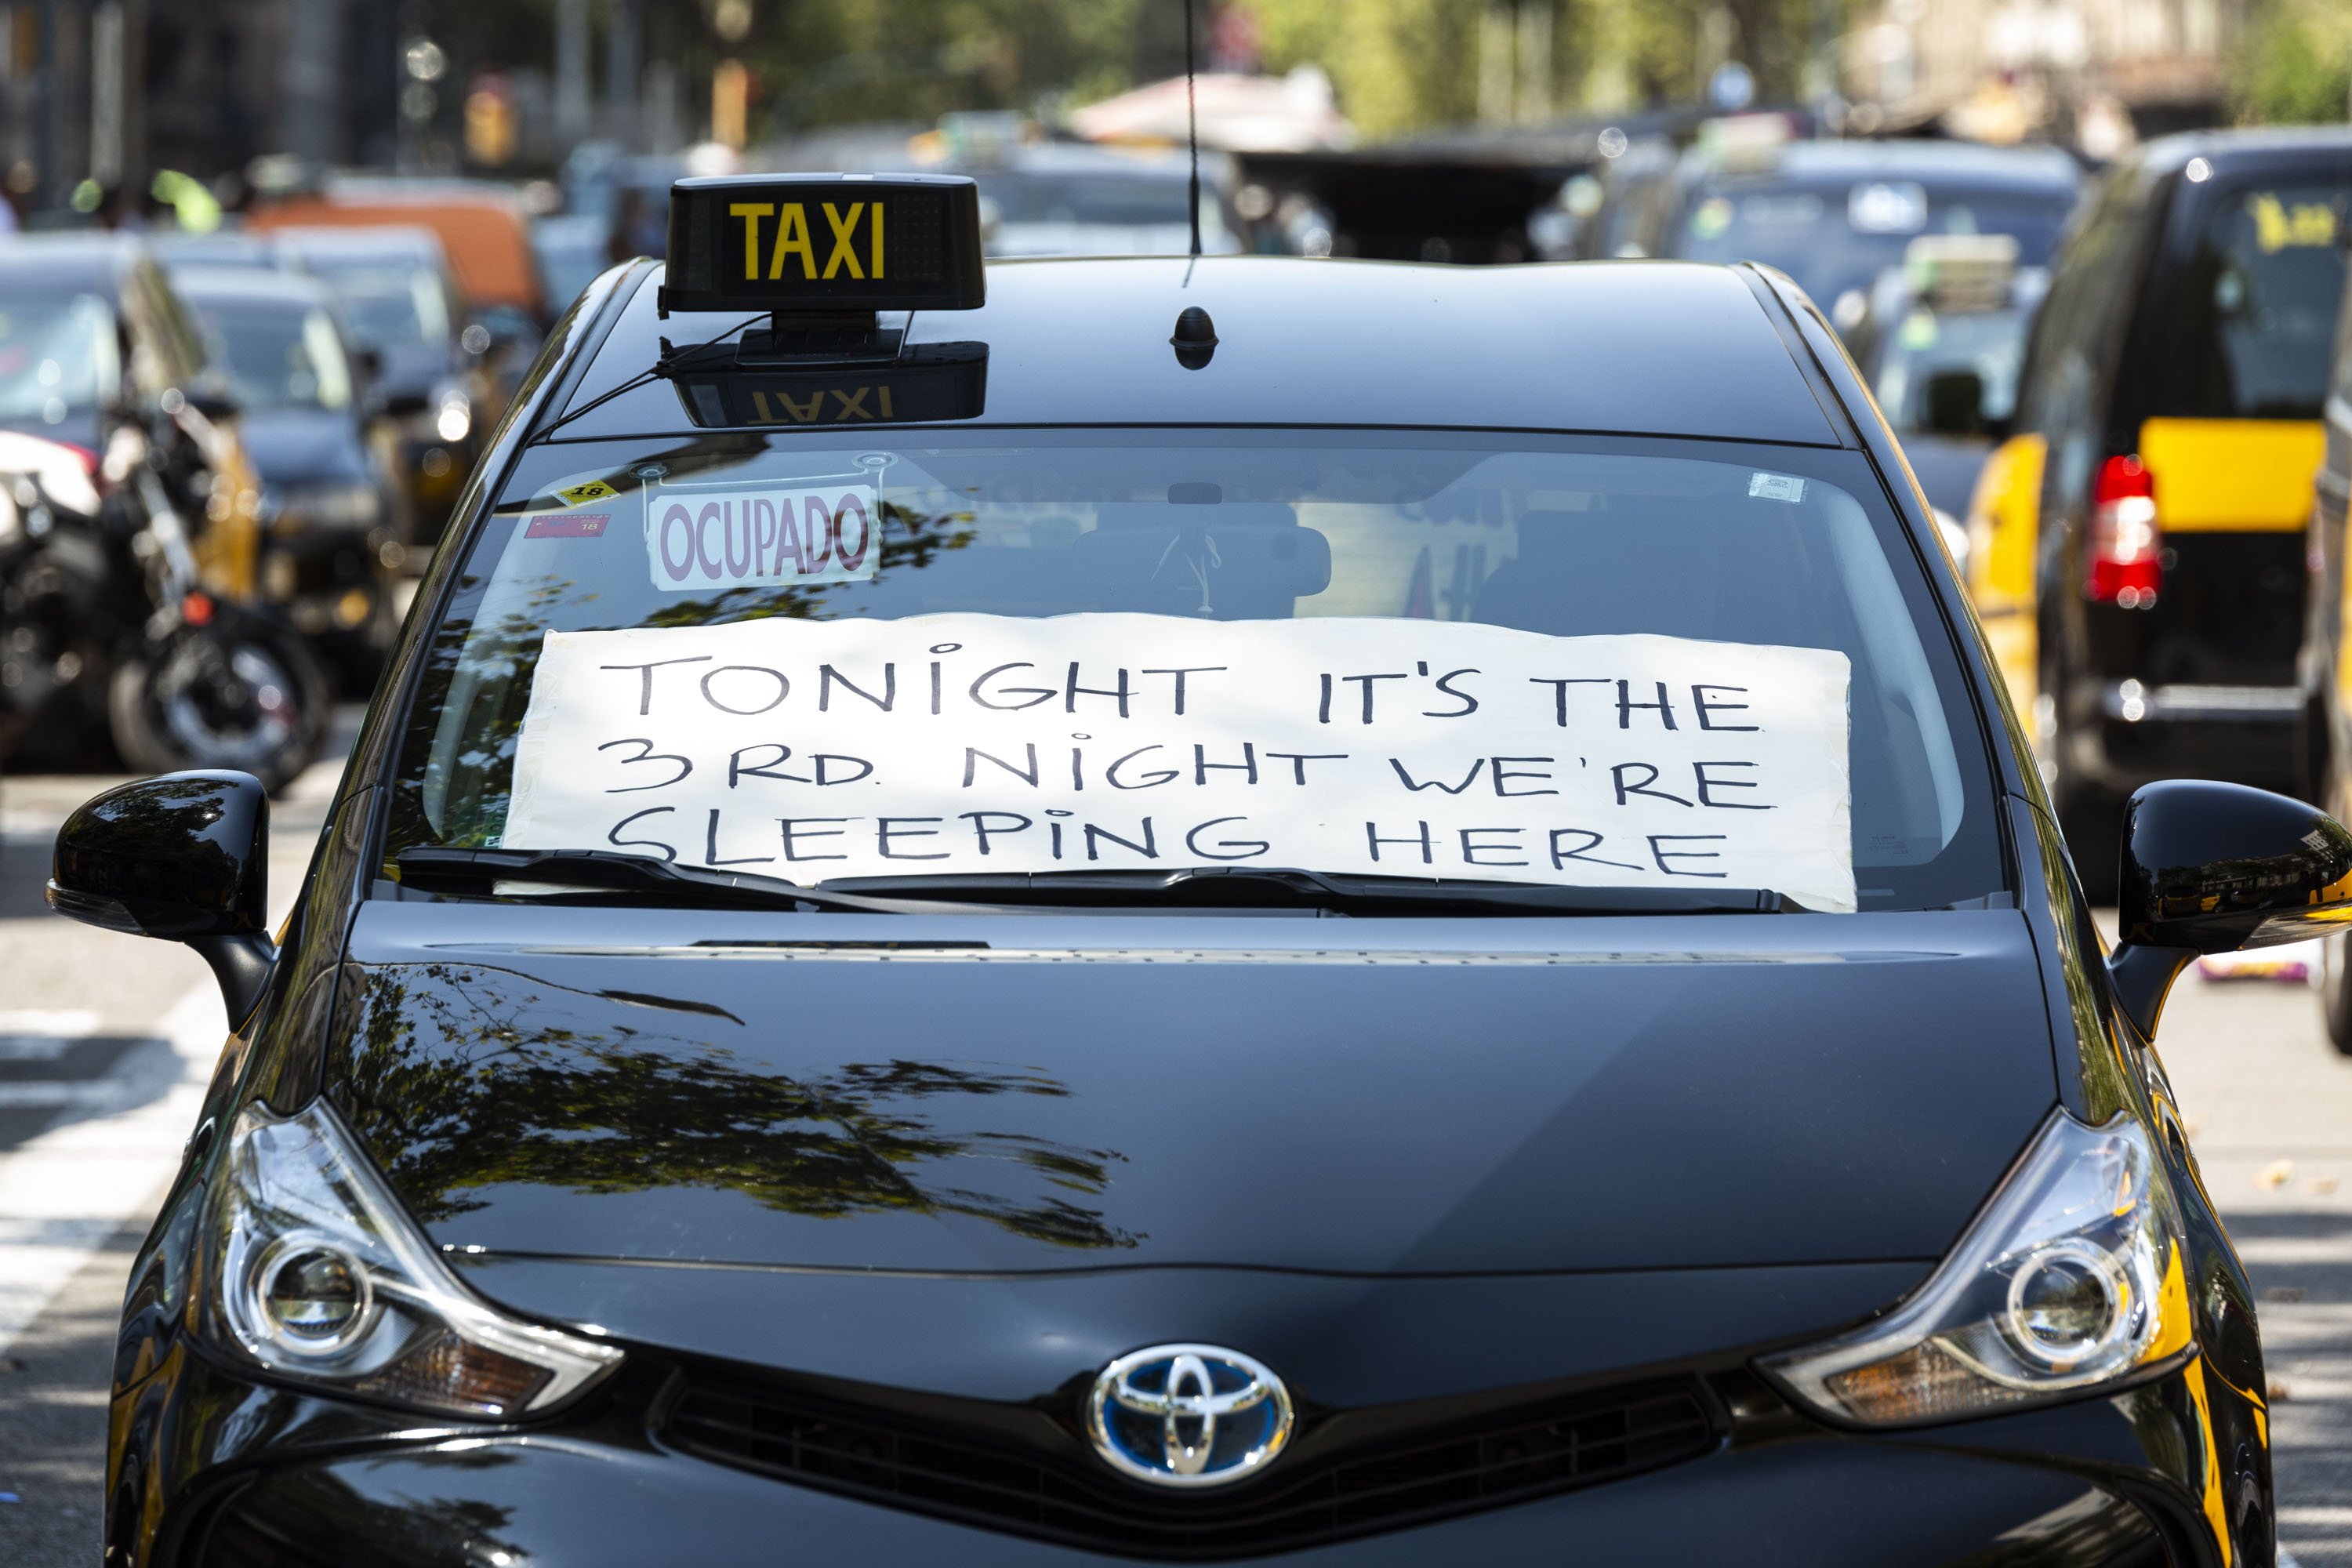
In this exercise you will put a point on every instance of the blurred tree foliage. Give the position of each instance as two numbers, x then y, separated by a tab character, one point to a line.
2292	64
1397	66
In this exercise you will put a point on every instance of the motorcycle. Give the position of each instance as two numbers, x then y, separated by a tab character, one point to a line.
109	627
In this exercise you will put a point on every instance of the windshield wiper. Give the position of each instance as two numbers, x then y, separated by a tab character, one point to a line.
599	873
1346	893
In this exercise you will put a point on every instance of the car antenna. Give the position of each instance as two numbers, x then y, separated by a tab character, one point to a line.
1192	138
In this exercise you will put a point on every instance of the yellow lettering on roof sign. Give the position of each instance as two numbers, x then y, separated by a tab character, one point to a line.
2233	476
842	234
847	406
2277	226
824	243
750	213
792	239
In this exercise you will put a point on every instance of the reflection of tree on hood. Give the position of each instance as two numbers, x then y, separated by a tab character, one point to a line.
500	1090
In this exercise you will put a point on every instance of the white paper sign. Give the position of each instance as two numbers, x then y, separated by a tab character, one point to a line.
968	742
701	538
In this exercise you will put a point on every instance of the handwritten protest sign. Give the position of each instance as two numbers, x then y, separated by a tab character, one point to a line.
970	742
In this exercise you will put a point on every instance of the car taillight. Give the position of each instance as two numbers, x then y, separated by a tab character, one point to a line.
2123	561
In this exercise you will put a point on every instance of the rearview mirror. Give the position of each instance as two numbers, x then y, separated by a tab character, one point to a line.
2213	867
184	858
401	405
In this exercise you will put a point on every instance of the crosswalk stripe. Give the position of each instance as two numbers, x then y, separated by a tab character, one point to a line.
65	1192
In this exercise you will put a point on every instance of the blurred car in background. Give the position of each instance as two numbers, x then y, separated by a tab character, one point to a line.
1637	187
1064	198
572	248
330	520
222	248
1835	215
1939	347
128	613
398	301
2148	523
485	235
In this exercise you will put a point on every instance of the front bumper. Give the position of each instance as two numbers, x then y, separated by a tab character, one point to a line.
208	1470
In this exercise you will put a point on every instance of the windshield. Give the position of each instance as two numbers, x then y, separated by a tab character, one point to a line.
1836	239
1926	343
2254	337
389	306
1434	655
58	356
276	357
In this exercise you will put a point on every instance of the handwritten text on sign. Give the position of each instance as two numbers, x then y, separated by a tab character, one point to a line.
968	742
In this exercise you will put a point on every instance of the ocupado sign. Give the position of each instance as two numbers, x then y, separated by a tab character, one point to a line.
969	743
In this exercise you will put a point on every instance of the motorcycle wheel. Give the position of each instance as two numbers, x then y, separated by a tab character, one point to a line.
246	696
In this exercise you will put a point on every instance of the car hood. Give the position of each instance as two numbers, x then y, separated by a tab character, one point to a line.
993	1094
303	445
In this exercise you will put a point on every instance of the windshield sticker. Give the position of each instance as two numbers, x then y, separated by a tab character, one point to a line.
580	495
1777	487
568	525
701	537
810	750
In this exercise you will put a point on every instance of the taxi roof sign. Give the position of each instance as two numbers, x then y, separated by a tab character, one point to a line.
824	243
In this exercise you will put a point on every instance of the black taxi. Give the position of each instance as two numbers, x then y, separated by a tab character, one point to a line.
2141	535
1187	909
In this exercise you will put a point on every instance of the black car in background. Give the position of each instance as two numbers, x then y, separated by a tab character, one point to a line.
400	302
2154	500
1940	346
331	522
1835	215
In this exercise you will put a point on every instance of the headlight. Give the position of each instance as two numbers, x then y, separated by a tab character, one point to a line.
2071	1278
454	418
316	1274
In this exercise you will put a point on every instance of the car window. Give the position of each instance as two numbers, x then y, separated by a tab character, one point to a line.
1928	342
58	355
389	307
276	357
2256	318
1775	550
1833	238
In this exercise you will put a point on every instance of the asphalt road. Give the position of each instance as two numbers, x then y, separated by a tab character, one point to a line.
105	1042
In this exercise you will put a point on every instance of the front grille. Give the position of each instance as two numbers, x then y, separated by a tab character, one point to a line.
1305	1499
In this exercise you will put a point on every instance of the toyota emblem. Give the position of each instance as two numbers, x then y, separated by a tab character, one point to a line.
1188	1416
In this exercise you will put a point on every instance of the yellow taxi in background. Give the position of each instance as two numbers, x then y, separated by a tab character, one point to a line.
2138	543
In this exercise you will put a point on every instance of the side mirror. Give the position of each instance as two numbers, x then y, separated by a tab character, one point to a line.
2213	867
185	858
1955	404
